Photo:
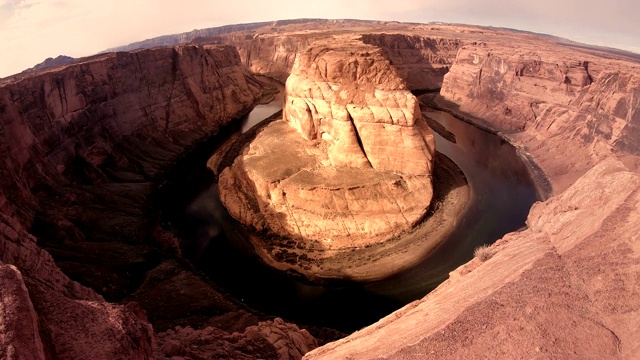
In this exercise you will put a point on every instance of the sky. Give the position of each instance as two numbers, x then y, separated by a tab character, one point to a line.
33	30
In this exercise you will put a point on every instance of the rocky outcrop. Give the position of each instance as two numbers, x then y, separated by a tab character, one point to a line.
19	337
267	340
51	62
349	166
348	94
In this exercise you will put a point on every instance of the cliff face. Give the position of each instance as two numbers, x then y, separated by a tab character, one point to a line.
84	112
349	166
80	144
271	54
97	132
539	97
422	61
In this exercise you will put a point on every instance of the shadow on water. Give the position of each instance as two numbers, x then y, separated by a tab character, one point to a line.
502	193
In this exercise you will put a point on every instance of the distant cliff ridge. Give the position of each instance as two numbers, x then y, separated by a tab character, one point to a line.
50	62
203	34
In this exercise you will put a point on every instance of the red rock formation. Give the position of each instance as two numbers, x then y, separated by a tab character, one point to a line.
420	58
19	337
268	340
349	166
422	61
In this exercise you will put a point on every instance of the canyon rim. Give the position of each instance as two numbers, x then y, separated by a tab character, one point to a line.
88	270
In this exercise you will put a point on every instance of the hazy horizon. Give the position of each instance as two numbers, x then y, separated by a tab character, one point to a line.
33	30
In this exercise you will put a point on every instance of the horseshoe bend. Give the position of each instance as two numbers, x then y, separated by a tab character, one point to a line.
354	184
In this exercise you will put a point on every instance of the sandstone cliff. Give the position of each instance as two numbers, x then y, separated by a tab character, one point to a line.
421	60
81	147
349	166
566	287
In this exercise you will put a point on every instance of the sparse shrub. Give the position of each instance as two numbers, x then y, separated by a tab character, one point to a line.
483	252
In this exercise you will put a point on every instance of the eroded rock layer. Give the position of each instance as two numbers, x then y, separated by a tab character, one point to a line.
349	165
576	278
82	147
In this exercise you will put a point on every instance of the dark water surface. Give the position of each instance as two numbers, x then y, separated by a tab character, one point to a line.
502	194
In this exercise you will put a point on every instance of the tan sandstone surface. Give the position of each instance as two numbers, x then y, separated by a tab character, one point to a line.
348	167
82	145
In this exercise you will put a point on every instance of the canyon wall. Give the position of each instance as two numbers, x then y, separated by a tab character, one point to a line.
82	147
349	165
550	99
97	133
421	60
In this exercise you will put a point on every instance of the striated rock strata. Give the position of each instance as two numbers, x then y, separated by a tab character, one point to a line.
550	100
82	148
566	287
349	165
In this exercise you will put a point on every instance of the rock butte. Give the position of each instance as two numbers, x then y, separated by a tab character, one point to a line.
83	144
349	165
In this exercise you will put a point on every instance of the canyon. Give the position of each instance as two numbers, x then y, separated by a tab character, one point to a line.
88	269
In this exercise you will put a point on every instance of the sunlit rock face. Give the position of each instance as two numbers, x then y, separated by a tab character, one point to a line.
352	98
351	163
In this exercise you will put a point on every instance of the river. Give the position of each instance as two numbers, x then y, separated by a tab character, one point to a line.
502	194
